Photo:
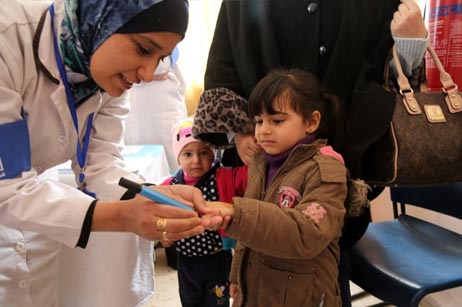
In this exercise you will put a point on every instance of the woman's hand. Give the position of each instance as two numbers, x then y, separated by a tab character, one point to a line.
140	216
407	21
246	146
166	244
155	221
193	197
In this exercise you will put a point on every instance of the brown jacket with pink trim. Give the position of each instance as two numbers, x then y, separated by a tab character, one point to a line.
287	251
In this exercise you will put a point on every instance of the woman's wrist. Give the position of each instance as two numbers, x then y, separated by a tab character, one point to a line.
87	225
109	216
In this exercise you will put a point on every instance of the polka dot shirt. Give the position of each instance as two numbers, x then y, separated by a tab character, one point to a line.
210	241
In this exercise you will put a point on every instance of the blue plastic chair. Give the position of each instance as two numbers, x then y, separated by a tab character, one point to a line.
402	260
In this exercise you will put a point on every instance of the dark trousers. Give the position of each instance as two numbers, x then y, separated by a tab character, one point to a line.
203	281
344	278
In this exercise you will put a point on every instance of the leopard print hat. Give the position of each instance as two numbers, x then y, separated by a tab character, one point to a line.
220	111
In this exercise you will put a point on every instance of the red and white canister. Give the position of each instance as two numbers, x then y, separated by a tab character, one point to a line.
443	19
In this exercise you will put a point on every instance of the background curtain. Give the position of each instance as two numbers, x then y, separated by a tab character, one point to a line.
195	47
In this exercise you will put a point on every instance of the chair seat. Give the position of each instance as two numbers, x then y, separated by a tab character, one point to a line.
390	255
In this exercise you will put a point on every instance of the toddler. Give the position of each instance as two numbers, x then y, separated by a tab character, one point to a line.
204	261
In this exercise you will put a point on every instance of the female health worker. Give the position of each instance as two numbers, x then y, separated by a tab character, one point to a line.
65	68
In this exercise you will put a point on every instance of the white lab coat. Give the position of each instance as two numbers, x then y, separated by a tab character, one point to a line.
156	107
38	217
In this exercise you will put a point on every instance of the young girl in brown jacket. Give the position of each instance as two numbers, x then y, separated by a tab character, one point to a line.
288	223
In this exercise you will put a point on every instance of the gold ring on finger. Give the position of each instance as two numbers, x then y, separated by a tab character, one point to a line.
161	223
165	236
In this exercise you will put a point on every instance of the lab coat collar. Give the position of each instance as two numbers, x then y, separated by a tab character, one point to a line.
46	57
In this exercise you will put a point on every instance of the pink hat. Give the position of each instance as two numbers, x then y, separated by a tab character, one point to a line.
182	136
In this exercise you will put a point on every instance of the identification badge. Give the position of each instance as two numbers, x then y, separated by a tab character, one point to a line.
14	149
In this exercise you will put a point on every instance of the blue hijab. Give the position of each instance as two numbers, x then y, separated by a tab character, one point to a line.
88	23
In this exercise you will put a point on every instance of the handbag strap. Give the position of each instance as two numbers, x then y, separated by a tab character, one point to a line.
405	88
453	97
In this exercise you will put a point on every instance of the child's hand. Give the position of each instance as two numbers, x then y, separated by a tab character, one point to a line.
233	290
226	209
246	146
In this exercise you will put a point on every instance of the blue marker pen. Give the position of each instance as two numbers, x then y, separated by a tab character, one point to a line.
151	194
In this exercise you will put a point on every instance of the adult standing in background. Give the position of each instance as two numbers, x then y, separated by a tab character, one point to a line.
345	43
155	107
65	68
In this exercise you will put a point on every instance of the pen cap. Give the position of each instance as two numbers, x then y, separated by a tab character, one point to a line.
130	185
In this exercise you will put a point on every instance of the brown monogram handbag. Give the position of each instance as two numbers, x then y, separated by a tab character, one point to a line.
423	144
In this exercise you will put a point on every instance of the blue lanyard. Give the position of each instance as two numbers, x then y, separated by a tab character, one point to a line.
81	151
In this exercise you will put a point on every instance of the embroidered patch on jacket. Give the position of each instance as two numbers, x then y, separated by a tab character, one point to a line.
287	197
315	211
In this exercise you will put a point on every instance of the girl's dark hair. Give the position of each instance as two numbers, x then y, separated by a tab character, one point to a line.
305	94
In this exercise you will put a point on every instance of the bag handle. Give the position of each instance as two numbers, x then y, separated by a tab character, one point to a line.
405	88
453	98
